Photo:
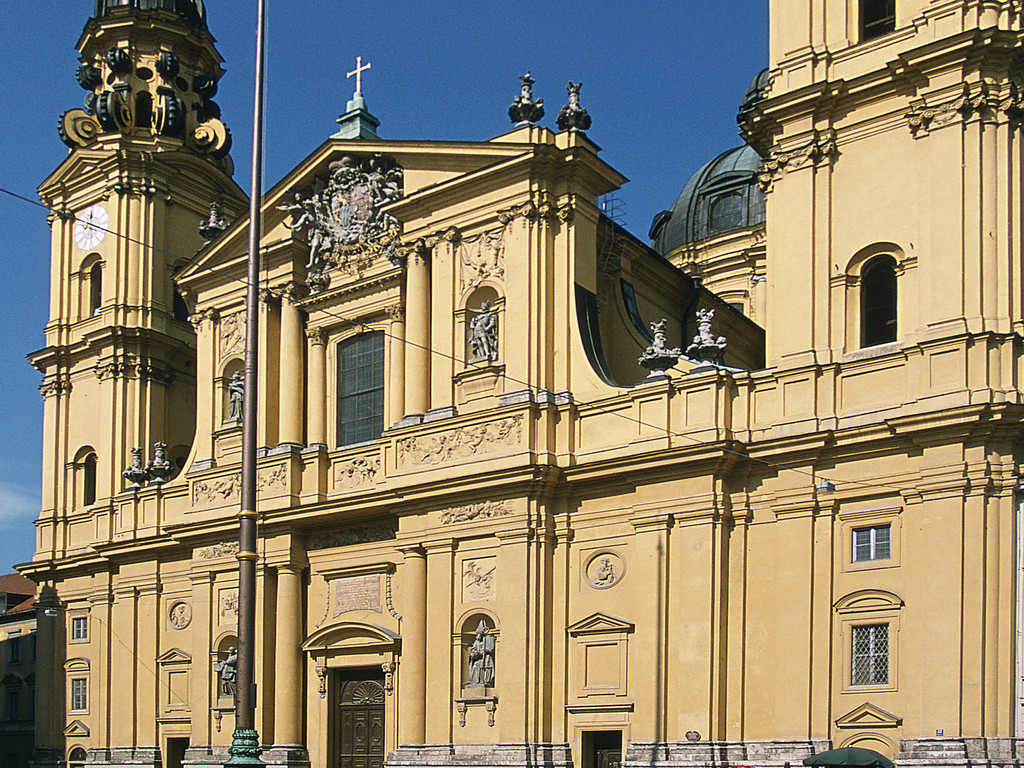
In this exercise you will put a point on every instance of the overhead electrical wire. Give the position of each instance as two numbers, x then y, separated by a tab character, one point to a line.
587	403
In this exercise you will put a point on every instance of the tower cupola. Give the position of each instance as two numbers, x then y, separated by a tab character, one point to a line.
150	72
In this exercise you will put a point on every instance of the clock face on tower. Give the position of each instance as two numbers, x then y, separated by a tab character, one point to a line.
91	227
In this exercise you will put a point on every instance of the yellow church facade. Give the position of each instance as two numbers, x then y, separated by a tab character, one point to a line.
488	535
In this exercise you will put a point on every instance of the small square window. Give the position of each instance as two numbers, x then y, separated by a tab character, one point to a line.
870	655
79	628
79	694
871	543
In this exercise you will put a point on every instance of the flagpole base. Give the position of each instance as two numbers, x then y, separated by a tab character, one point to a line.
245	748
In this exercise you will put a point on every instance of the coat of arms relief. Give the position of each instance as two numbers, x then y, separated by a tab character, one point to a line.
343	218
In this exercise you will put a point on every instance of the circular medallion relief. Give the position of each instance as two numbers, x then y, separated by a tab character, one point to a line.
604	569
180	615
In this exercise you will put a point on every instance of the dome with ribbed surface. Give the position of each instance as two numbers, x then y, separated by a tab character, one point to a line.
191	10
722	196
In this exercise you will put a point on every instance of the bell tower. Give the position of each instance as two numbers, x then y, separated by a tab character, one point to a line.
148	157
891	137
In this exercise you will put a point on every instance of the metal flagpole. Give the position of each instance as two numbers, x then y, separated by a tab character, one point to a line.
245	742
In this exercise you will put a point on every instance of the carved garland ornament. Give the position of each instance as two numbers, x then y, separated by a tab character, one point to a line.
923	118
226	549
819	150
461	443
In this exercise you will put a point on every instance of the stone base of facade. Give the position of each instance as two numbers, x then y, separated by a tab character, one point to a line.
125	757
520	755
763	754
956	752
205	756
289	755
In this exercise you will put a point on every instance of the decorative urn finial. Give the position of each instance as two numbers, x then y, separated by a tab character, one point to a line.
705	347
214	225
524	110
573	117
135	473
658	358
159	468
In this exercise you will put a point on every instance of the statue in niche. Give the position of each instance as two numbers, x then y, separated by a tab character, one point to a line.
481	659
483	334
236	396
227	669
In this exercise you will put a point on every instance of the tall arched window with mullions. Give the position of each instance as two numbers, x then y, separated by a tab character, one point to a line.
361	388
878	302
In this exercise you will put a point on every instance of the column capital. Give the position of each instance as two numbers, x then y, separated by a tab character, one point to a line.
292	291
202	317
396	312
317	336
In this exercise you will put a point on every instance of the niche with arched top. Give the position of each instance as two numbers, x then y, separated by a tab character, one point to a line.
478	645
483	327
230	384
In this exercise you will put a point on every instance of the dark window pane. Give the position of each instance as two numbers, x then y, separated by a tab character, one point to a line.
878	302
361	388
877	17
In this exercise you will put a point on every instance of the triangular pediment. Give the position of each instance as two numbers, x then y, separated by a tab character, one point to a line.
427	165
867	715
600	623
174	656
76	728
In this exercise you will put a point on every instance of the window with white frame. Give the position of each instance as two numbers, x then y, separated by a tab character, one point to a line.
870	655
79	628
79	694
871	543
14	648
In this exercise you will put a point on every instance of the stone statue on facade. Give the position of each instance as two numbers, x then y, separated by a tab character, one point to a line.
135	473
227	670
524	110
159	468
483	334
573	117
481	658
706	348
236	396
658	358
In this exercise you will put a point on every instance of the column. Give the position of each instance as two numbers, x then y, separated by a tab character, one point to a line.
291	377
396	365
413	668
316	387
417	333
287	658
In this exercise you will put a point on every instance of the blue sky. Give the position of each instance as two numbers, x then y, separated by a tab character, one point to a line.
662	82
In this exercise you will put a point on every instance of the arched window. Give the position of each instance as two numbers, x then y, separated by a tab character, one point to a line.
877	18
95	288
726	212
361	388
77	758
878	302
89	480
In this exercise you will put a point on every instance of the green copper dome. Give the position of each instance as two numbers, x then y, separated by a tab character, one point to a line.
191	10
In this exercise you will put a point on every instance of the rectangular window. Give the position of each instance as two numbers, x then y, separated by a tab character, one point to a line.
877	17
13	649
871	655
31	647
871	543
79	627
12	706
79	695
361	388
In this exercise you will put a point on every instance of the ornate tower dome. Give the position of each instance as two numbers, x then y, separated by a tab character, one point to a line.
191	10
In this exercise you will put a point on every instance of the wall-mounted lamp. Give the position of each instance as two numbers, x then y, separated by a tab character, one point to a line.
825	486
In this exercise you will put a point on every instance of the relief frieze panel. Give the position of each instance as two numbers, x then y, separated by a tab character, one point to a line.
464	442
481	511
348	536
232	334
356	473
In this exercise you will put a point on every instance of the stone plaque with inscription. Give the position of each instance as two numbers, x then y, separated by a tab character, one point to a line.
356	593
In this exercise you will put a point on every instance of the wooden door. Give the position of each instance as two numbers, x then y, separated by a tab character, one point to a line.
359	721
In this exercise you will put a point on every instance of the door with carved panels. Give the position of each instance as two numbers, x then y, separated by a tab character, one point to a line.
358	732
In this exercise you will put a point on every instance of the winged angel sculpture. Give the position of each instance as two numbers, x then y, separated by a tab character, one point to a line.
343	218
